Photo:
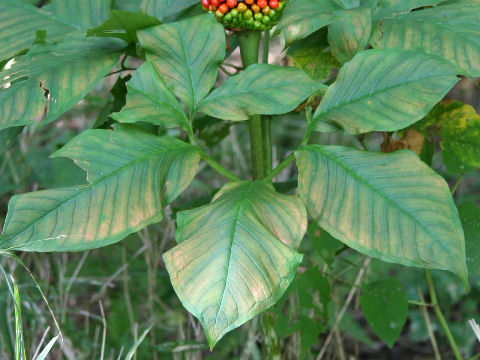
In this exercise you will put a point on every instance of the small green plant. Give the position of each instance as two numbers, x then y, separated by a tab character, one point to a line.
237	255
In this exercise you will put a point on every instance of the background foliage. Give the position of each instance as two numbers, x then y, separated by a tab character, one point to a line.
118	301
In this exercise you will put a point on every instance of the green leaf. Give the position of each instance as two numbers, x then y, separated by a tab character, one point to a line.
386	8
324	243
128	5
187	54
236	256
124	25
68	70
384	90
385	306
350	33
82	14
301	18
7	137
461	139
313	56
260	90
16	35
450	31
19	22
470	217
390	206
21	104
131	175
166	10
149	100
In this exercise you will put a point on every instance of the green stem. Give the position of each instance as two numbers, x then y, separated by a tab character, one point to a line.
267	120
267	142
219	168
440	316
266	47
457	184
283	165
249	42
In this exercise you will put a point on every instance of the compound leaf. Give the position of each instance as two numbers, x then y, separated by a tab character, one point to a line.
131	175
149	100
19	21
350	33
260	90
390	206
187	54
236	256
384	90
451	31
67	71
301	18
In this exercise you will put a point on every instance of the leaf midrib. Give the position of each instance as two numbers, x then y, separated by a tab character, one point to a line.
240	206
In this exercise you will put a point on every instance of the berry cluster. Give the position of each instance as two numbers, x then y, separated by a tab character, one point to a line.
246	14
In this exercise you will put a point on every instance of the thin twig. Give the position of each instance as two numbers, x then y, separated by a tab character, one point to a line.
428	323
350	296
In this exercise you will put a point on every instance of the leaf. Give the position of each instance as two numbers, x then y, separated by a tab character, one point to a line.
450	31
260	90
236	256
68	70
387	8
461	139
384	90
16	35
301	18
385	306
57	20
166	10
187	54
82	14
313	56
21	103
124	25
149	100
324	243
128	5
470	217
131	175
7	137
350	33
458	125
46	350
390	206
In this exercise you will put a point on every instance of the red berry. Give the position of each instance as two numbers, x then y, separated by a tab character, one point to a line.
216	3
223	8
274	4
206	3
231	3
262	3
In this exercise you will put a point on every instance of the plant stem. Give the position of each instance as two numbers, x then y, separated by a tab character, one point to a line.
249	48
219	168
267	120
283	165
267	142
457	184
440	316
